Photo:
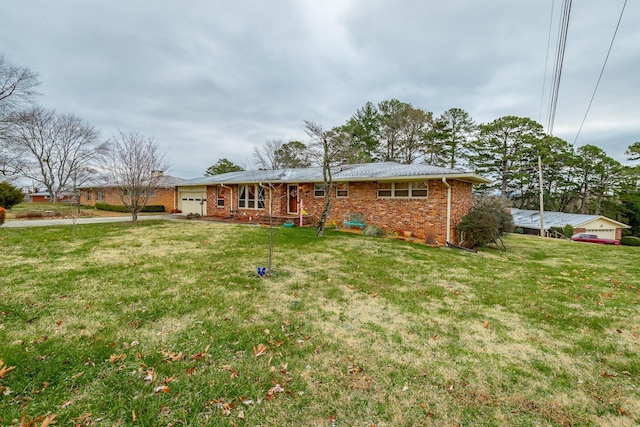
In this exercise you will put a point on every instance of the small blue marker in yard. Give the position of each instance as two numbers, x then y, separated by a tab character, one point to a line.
262	271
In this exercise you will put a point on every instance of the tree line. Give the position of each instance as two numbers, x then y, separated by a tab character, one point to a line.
61	152
507	150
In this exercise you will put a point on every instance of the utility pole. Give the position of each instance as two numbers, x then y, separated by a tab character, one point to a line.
542	233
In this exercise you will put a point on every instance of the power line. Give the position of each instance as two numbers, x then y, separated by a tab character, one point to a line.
601	72
546	61
562	43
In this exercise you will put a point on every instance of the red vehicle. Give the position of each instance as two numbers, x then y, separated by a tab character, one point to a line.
593	238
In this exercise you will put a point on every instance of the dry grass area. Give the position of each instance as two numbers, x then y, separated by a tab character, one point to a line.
28	210
169	324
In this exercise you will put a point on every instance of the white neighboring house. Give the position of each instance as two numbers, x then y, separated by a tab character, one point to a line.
605	228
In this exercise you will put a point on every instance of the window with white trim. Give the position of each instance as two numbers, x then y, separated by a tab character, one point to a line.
342	190
318	190
220	197
251	197
401	190
100	195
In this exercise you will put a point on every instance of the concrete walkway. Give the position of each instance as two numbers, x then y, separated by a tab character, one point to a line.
69	221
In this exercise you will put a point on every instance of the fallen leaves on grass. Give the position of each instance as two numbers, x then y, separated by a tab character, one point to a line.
5	369
352	369
161	389
202	355
260	350
229	369
150	375
271	394
42	421
169	356
115	358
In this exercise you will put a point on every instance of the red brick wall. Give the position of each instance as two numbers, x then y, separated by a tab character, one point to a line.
231	202
164	196
425	219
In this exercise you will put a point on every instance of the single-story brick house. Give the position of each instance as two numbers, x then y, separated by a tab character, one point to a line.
165	194
529	222
45	197
423	200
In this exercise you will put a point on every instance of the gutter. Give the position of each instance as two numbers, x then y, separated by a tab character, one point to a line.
444	181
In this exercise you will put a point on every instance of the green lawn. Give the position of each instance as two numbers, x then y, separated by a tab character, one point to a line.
30	210
167	323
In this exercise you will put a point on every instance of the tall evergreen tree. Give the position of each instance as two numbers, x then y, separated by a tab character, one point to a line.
504	151
597	176
222	166
454	129
364	130
633	152
402	131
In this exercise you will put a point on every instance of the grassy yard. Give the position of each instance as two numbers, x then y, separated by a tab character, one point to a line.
167	323
59	210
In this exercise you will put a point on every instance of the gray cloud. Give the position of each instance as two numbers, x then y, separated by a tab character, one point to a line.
213	79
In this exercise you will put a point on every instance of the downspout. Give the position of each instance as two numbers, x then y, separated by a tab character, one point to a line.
231	199
444	181
175	198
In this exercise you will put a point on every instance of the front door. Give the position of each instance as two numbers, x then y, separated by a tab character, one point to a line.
292	198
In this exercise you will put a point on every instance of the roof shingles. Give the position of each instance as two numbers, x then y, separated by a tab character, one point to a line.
342	173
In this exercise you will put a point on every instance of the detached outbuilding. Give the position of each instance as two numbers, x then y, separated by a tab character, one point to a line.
529	222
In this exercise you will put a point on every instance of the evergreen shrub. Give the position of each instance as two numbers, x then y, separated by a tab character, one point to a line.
10	195
630	241
120	208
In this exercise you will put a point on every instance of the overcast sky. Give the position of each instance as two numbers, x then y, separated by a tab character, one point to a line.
212	79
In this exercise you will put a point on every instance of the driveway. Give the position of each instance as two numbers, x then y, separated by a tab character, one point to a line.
69	221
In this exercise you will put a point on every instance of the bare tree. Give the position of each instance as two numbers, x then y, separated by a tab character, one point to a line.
266	155
17	89
17	85
134	166
329	147
54	150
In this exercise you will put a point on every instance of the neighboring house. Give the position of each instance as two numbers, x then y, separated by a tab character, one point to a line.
164	194
45	197
604	227
426	201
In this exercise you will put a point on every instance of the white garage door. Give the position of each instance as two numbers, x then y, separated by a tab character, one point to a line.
603	233
193	202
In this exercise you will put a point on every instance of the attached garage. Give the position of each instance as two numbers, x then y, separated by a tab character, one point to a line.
193	200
